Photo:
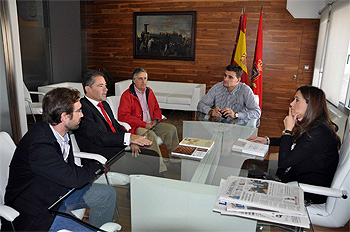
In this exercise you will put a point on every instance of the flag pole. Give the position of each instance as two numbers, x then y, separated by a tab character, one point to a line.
237	36
257	72
240	54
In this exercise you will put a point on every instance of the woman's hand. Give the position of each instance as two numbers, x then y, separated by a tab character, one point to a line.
257	139
135	150
289	121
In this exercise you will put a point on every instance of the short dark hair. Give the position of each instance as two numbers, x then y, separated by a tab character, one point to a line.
235	68
89	78
137	71
58	101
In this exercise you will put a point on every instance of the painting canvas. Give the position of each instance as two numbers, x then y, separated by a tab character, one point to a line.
165	35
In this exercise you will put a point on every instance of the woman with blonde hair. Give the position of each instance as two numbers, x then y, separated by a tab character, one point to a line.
309	144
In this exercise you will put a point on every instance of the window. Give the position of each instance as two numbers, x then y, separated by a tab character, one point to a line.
332	57
345	91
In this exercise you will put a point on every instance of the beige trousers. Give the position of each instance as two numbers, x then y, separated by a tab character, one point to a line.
168	133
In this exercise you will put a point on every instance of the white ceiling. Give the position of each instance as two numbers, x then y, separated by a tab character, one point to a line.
307	9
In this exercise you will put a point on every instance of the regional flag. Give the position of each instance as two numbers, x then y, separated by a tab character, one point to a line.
240	56
256	78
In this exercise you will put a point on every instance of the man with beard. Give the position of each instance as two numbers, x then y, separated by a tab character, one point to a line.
42	169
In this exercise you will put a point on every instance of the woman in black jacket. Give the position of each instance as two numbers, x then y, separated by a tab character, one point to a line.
309	145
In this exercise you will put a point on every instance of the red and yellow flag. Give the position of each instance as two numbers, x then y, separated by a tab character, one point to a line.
237	37
258	64
240	51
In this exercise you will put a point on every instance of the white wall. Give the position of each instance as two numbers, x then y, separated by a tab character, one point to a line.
307	9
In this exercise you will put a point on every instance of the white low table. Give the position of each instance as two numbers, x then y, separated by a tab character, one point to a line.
159	204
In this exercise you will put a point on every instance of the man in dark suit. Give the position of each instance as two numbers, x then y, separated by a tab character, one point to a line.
99	131
42	169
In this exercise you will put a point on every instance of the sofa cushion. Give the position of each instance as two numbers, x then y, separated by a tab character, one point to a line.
179	99
162	97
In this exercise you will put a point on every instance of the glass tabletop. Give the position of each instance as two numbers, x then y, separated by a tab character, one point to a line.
165	201
219	163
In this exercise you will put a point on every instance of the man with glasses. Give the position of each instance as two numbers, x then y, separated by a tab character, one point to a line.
42	169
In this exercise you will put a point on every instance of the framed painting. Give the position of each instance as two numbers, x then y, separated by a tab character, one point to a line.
165	35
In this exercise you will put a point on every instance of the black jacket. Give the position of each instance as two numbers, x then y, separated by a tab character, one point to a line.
94	134
313	160
39	176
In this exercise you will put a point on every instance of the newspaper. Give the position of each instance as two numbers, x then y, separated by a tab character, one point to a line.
264	215
264	194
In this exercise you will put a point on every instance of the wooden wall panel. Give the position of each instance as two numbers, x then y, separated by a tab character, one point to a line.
289	44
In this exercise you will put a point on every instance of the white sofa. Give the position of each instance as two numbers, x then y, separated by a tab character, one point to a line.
171	95
73	85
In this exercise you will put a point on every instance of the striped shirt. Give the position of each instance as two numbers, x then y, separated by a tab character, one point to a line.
240	100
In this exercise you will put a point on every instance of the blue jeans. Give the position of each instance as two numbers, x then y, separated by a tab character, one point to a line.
100	198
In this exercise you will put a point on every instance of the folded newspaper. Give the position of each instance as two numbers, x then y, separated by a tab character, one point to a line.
262	200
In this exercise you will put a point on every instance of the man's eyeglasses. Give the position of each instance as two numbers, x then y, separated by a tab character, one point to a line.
78	111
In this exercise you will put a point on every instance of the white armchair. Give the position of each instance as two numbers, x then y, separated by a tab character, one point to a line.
72	85
113	102
336	211
254	122
7	150
112	178
32	108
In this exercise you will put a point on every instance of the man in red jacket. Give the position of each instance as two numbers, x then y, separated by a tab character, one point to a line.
139	108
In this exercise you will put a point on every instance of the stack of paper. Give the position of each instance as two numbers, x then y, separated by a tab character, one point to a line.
193	148
252	148
262	200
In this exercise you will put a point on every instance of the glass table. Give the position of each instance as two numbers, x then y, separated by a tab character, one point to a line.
182	198
221	161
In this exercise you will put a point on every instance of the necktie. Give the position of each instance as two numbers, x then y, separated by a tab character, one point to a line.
106	117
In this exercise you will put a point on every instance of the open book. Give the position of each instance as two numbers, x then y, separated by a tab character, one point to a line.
252	148
193	148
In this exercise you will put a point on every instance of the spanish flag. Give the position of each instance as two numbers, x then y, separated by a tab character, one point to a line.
258	64
240	51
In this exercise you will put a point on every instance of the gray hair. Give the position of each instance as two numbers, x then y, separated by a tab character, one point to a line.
89	78
137	71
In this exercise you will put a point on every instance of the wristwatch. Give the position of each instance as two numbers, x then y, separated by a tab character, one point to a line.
236	115
287	132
